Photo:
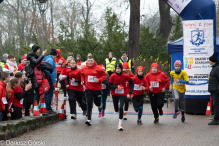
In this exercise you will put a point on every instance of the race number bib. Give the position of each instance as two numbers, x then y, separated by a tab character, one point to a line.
103	86
178	83
21	101
91	79
57	65
4	100
74	83
78	66
155	84
119	91
137	87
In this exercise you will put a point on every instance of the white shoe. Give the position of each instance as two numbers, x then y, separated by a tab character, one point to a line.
120	127
88	122
74	116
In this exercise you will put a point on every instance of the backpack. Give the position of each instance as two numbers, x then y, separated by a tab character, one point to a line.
29	71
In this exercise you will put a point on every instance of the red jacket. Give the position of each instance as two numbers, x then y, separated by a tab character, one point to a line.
88	75
21	66
3	93
17	102
137	85
76	74
59	66
119	80
79	64
158	81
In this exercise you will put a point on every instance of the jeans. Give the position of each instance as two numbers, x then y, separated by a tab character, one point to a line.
48	96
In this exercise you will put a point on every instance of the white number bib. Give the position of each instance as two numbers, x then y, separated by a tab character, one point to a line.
4	100
21	101
78	66
74	83
137	87
155	84
57	65
91	79
103	86
178	83
119	91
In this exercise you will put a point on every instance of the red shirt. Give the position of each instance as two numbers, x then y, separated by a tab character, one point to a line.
65	70
16	102
158	81
88	75
76	74
3	93
137	85
21	66
119	80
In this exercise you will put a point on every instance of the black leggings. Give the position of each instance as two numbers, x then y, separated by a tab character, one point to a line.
73	97
157	102
127	100
17	114
116	99
62	84
27	108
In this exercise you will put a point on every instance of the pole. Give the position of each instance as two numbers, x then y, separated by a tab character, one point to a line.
42	31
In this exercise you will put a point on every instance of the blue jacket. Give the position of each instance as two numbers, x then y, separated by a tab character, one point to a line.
51	61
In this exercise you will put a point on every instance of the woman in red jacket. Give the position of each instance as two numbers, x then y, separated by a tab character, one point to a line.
156	83
139	88
117	84
19	95
75	89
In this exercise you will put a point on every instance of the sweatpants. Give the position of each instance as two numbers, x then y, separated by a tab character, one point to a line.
138	101
73	97
103	100
179	100
215	98
121	99
17	114
157	102
92	96
127	100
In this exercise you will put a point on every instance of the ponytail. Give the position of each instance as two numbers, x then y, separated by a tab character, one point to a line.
10	85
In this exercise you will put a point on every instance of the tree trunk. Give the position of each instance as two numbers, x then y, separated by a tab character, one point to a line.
165	20
134	28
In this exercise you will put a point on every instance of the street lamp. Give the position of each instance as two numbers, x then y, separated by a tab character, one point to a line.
43	5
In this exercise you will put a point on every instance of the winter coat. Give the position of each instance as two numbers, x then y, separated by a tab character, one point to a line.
213	86
30	93
49	59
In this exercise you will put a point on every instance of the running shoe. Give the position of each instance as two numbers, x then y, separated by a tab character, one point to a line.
160	112
156	120
88	122
99	116
183	118
124	117
175	115
84	113
139	122
214	122
120	127
103	113
74	116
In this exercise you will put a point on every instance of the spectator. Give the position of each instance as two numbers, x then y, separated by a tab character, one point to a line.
71	54
52	81
110	64
3	60
125	58
35	58
11	66
23	64
78	57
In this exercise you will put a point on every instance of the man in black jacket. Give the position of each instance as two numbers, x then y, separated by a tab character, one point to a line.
35	58
213	87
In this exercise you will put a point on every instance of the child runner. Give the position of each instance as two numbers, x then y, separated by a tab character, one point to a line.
127	100
117	83
103	96
139	88
75	89
156	83
178	79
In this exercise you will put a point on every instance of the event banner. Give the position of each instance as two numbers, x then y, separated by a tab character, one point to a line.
178	5
198	69
198	38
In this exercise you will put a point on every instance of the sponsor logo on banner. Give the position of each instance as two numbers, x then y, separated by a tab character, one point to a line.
197	37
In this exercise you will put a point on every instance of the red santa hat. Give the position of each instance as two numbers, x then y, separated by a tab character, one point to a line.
24	58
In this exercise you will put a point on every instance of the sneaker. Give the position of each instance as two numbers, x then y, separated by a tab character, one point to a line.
51	112
139	122
120	127
84	113
88	122
183	118
103	113
74	116
160	112
65	96
156	120
99	116
214	122
175	115
124	117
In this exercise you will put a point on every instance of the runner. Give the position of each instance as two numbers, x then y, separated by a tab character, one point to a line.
75	89
127	100
156	83
117	83
178	79
92	75
139	88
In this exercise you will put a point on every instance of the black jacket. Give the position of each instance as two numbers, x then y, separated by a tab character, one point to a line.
34	60
29	95
213	85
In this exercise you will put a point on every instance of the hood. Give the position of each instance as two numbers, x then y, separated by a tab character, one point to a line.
79	57
47	57
2	84
31	54
95	64
125	60
4	58
58	52
216	64
157	66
